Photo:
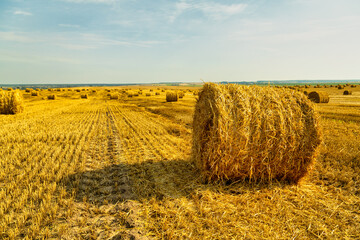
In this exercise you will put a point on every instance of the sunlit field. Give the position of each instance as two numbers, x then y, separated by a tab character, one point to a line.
116	164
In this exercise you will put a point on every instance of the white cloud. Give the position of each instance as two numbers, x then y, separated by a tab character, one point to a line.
68	25
24	13
213	10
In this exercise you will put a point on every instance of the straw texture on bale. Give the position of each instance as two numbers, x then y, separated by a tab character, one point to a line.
181	94
319	97
347	92
254	133
11	102
171	96
114	96
51	97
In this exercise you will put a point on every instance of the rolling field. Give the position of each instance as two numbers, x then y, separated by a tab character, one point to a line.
97	168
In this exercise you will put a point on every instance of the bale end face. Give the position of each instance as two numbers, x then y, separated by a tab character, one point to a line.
254	133
171	97
319	97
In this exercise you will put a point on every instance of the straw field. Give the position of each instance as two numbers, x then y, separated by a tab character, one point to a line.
123	169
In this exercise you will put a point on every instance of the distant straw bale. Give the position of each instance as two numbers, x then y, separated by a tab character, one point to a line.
254	133
340	87
11	102
148	94
319	97
51	97
114	96
347	92
171	97
181	94
157	93
34	93
84	96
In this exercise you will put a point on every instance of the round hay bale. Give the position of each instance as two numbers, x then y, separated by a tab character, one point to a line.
34	93
181	94
319	97
171	97
148	94
114	96
306	93
130	95
84	96
157	93
340	87
11	102
254	133
51	97
347	92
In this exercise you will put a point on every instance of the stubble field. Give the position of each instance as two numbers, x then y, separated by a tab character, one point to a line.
97	168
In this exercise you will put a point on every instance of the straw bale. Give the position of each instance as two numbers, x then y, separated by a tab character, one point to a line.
319	97
171	97
347	92
114	96
148	94
11	102
254	133
85	96
51	97
181	94
34	93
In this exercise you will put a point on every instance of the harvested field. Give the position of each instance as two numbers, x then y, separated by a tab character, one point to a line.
101	169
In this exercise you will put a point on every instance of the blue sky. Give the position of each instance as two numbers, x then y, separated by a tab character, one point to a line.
134	41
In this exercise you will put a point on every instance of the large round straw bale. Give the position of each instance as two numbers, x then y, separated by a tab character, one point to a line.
85	96
11	102
347	92
171	96
254	133
319	97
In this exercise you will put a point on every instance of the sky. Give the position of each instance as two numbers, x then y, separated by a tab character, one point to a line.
142	41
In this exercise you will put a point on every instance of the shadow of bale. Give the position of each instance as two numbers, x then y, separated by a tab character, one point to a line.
150	180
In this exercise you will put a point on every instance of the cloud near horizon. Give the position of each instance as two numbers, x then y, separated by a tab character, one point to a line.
24	13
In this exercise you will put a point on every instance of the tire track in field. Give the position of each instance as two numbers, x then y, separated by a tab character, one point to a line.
158	159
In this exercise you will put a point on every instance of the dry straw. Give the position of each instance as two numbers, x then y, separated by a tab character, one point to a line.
181	94
319	97
34	93
347	92
114	96
171	97
254	133
51	97
85	96
148	94
11	102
